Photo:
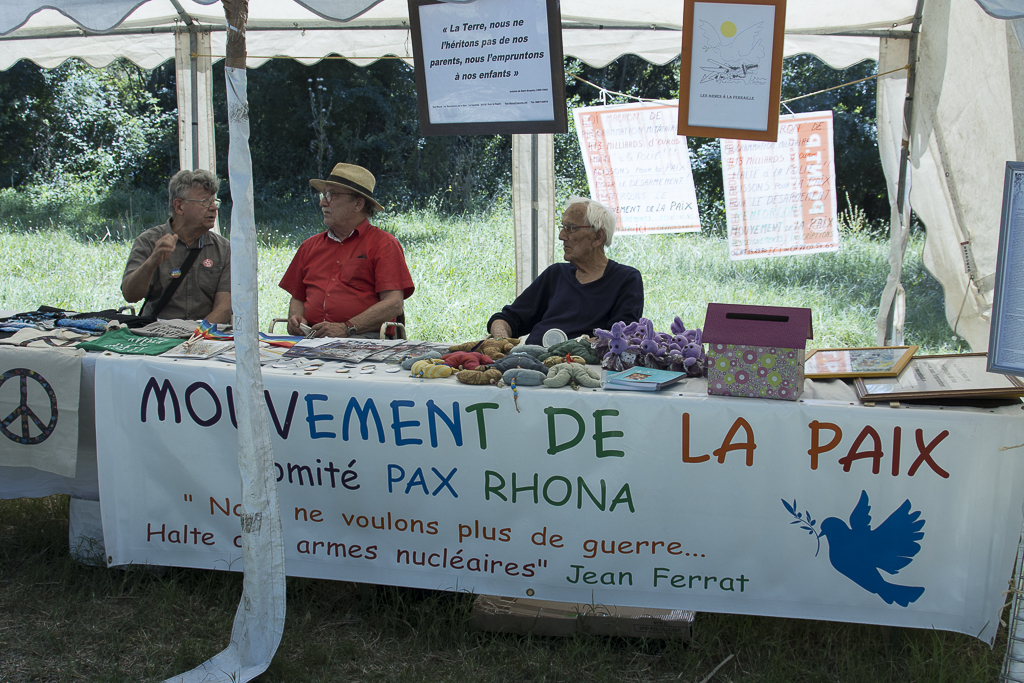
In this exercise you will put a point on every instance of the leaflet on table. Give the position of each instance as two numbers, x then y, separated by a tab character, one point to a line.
268	354
641	379
199	349
362	350
408	349
353	350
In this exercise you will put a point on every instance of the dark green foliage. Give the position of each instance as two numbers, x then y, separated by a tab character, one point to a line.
306	119
21	87
81	130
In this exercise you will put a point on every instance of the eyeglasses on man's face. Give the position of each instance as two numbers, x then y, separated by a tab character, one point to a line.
327	195
205	203
570	229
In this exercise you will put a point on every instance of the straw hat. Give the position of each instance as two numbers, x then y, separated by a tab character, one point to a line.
349	177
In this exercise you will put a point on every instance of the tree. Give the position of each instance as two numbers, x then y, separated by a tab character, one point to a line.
83	127
21	88
360	115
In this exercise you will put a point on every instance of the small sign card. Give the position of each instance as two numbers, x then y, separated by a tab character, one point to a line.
488	66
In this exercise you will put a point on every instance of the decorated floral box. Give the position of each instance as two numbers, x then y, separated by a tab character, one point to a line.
756	351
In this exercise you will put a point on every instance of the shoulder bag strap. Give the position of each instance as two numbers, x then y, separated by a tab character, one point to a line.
173	287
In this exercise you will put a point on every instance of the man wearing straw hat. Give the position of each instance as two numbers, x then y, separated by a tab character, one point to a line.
350	279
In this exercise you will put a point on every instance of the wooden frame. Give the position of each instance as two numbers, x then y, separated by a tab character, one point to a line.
558	123
953	376
1007	303
869	361
732	68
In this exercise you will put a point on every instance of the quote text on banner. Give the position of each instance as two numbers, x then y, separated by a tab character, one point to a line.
638	167
780	197
652	500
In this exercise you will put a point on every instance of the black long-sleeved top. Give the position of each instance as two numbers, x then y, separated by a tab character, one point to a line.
556	299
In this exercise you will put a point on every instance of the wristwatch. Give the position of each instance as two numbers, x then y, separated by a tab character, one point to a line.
352	331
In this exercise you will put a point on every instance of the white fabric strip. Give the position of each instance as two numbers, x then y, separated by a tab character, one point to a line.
259	620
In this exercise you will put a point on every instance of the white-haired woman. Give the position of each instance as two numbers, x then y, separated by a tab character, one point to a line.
587	292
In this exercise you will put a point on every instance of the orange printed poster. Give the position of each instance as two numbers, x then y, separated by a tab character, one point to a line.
780	197
639	167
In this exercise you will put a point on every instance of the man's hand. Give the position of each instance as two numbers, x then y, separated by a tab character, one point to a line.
500	328
135	285
163	248
326	329
293	324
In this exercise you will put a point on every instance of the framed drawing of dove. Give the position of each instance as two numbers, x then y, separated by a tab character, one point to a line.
730	72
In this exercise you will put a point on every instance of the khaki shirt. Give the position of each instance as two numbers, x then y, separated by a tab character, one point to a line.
209	274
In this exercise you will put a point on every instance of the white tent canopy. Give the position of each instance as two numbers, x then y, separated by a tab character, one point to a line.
959	142
595	31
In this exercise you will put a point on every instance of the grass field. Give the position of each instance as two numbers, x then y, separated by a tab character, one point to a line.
61	621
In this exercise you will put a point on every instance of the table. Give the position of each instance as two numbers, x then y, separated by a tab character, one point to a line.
674	499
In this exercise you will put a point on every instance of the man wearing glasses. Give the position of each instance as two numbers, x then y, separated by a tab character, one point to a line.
352	278
590	291
181	268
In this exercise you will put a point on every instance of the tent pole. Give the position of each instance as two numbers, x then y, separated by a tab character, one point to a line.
534	206
193	47
896	315
193	44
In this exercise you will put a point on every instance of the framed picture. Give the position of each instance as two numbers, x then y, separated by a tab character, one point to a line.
956	376
1006	332
877	361
488	66
730	72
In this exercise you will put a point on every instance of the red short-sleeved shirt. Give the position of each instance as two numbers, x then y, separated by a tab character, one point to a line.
339	280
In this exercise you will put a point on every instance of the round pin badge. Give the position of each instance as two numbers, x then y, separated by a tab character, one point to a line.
176	272
208	263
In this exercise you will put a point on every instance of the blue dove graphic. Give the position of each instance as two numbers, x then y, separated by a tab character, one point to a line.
858	551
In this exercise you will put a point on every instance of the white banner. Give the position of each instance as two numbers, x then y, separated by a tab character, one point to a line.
638	167
487	61
780	197
39	408
810	509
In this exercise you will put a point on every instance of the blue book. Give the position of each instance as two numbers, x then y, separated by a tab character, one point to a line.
641	379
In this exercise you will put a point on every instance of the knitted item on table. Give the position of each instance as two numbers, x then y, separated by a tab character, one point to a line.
572	347
495	348
479	376
466	360
408	362
531	349
432	368
564	373
524	377
552	361
520	360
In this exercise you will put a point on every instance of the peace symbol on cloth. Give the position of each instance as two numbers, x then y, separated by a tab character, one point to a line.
25	412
